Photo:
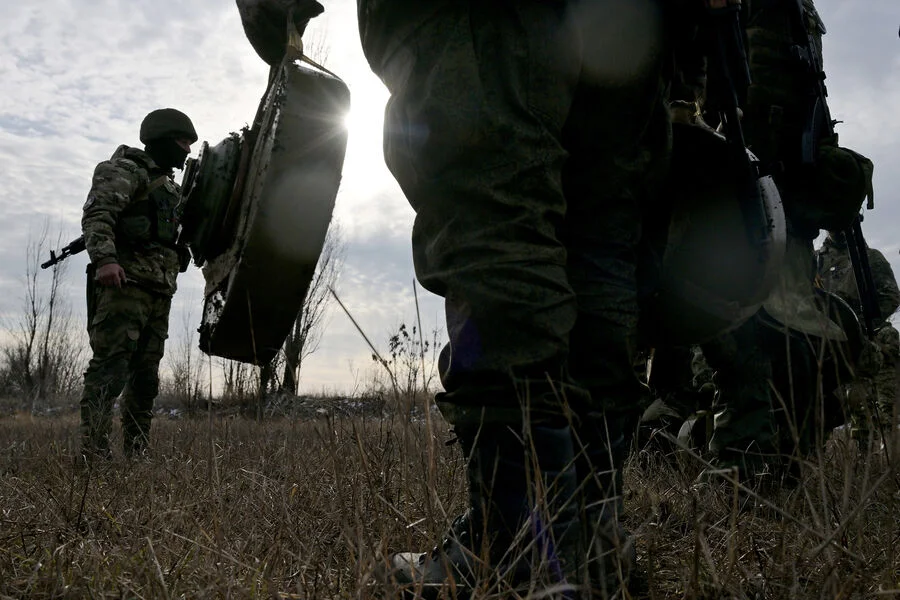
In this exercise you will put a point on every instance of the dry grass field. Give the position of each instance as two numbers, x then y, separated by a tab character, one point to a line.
227	507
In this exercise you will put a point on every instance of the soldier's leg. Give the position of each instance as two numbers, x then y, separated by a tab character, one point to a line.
675	399
474	135
114	331
143	383
619	142
744	434
797	404
859	396
887	380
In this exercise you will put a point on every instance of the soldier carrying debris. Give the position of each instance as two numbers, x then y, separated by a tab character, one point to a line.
526	135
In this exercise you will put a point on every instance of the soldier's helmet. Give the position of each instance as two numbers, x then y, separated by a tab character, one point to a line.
712	276
167	123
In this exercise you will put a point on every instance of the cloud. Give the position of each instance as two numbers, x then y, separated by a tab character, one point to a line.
79	77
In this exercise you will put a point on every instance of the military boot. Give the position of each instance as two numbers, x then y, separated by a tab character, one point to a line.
95	429
522	525
601	449
135	433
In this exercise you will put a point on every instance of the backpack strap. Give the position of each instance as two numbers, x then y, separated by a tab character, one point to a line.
155	183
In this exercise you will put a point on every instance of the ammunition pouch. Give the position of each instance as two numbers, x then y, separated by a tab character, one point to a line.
150	217
91	292
134	230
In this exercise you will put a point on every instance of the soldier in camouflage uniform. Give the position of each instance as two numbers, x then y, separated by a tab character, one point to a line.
750	359
526	135
837	276
130	224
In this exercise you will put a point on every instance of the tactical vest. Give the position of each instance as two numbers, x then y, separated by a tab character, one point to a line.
777	100
828	194
152	217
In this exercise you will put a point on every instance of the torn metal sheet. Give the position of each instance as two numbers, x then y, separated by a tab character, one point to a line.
266	198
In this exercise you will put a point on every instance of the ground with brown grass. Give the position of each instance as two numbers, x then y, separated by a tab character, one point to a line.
290	508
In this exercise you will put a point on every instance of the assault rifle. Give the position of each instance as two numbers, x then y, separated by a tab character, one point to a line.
819	125
729	79
74	247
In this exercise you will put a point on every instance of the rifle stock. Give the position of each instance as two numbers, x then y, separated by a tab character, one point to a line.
727	89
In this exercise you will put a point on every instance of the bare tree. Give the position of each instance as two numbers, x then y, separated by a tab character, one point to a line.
185	362
267	382
306	334
44	358
239	385
316	46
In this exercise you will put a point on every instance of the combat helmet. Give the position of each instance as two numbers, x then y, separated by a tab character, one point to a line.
165	123
702	275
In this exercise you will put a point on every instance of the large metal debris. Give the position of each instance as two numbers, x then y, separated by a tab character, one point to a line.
258	206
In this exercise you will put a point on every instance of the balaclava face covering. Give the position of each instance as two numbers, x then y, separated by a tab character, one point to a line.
167	153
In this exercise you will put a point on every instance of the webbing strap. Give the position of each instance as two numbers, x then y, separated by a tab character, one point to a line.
294	47
159	181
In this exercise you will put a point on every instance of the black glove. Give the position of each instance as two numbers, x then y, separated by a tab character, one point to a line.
265	23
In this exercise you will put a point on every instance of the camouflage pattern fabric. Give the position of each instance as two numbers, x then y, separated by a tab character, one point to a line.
753	422
883	386
794	301
526	164
527	139
837	275
127	333
744	430
887	380
117	183
387	26
130	218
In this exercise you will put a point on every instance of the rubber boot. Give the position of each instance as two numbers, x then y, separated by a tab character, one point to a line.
522	524
135	436
137	415
96	424
601	449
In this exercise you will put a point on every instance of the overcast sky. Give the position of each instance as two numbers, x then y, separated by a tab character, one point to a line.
79	75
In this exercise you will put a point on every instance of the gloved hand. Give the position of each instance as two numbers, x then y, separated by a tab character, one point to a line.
265	23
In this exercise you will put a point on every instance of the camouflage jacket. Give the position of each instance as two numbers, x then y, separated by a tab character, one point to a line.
385	26
131	218
837	276
777	101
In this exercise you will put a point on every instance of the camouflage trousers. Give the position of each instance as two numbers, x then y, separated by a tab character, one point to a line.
128	327
744	422
526	142
774	399
873	399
